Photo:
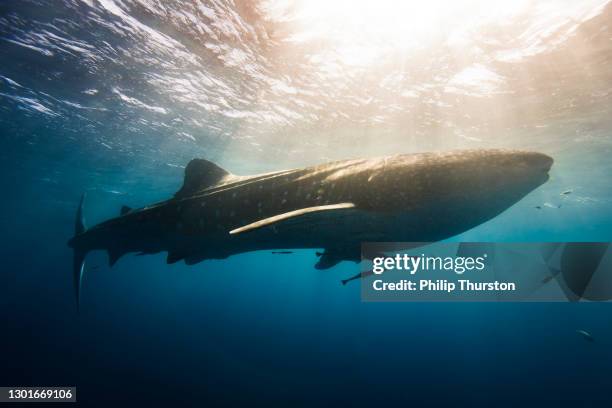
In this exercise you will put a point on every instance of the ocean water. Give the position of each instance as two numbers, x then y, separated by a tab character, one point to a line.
113	98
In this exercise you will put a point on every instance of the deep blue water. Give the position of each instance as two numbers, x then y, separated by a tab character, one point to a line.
115	98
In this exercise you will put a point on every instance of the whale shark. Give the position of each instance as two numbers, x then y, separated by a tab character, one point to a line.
331	207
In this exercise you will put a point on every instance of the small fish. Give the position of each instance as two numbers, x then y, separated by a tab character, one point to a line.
566	192
586	335
539	207
282	252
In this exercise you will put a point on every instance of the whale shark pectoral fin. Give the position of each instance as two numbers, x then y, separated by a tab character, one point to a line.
333	256
277	219
328	260
200	174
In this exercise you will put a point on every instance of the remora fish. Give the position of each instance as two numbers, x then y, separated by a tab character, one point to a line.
335	206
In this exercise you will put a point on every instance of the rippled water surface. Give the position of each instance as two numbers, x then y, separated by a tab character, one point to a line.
115	97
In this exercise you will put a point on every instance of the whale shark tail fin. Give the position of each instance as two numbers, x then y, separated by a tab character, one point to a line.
78	258
77	273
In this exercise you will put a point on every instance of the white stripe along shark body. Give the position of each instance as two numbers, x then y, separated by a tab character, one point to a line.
336	206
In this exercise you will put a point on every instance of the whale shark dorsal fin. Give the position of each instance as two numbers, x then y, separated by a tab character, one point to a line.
199	175
124	210
288	215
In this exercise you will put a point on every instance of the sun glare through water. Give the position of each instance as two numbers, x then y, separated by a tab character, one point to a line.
362	31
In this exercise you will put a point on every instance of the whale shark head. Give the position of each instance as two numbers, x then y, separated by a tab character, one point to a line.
461	174
504	173
457	190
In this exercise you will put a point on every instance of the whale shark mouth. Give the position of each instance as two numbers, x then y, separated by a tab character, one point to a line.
545	168
540	165
538	161
546	163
